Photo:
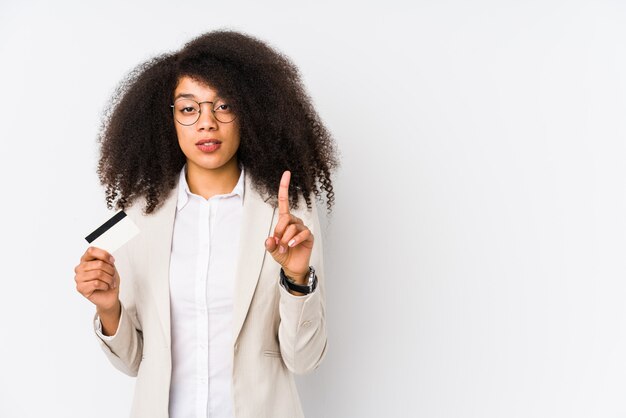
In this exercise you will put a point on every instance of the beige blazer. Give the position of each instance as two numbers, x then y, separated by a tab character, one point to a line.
275	333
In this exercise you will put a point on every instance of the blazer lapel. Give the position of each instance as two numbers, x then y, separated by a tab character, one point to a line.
160	228
256	226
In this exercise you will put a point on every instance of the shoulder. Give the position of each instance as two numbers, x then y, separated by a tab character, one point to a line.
135	210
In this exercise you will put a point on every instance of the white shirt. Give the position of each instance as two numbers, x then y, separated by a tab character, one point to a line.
205	243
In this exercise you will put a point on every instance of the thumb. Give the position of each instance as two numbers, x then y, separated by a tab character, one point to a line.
270	244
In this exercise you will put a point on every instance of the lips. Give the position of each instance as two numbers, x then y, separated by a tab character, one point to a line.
209	141
208	145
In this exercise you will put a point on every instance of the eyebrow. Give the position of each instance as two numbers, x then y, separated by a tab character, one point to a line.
185	95
192	96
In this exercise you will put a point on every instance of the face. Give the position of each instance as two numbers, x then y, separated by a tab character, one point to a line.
206	157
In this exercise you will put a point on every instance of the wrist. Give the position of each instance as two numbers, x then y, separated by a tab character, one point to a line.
298	278
107	311
110	318
301	288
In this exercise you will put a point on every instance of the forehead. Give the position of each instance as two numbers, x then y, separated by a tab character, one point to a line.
193	88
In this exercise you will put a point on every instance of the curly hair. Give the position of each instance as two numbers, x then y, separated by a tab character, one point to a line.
279	127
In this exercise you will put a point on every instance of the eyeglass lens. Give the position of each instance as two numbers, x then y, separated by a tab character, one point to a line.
187	111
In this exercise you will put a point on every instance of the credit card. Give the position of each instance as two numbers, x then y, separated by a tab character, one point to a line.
114	233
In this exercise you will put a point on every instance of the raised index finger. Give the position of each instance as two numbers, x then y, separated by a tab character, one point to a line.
283	193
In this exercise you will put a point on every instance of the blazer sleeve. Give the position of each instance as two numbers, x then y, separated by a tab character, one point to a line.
124	349
302	329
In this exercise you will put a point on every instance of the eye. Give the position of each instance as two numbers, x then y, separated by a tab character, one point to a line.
223	108
186	107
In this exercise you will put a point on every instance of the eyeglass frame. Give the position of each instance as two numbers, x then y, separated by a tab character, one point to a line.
199	110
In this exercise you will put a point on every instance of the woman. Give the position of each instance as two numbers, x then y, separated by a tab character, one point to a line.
216	153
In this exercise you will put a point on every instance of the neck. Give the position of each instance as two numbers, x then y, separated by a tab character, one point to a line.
210	182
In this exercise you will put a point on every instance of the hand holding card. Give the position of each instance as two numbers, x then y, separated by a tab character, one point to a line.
97	279
96	276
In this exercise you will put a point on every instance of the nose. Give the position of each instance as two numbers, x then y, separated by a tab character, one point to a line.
206	120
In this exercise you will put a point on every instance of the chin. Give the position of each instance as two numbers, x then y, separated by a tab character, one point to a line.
210	163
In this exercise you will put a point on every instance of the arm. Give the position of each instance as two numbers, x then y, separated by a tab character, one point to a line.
295	245
302	329
98	279
123	349
119	333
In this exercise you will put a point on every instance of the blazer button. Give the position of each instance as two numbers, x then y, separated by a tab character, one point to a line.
306	324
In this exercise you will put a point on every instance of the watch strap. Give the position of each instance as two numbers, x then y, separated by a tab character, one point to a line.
291	285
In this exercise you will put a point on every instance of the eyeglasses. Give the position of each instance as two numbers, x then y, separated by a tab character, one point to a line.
187	111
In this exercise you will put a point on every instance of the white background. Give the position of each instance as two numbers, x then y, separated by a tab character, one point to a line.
475	259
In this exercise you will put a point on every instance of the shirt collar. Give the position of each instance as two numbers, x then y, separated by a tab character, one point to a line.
184	192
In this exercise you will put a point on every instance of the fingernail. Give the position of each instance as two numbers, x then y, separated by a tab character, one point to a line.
293	241
281	249
112	259
276	240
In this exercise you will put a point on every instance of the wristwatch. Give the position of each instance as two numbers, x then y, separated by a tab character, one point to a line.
289	283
